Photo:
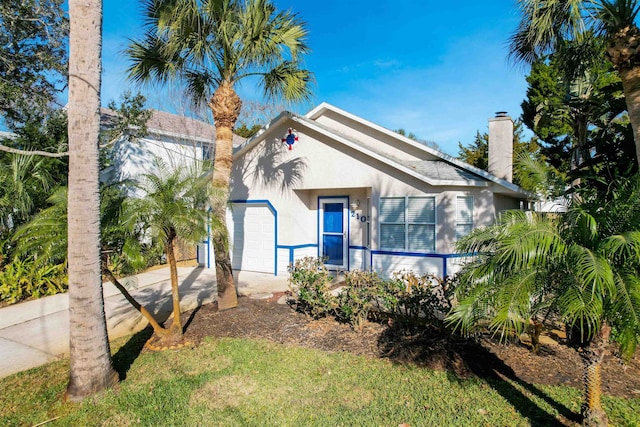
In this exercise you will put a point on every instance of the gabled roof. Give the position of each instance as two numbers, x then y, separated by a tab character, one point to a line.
438	169
175	126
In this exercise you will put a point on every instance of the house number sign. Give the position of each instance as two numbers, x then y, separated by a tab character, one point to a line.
356	215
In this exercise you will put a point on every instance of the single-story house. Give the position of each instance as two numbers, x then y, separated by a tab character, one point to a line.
334	185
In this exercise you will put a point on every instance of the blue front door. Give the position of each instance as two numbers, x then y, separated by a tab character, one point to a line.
334	232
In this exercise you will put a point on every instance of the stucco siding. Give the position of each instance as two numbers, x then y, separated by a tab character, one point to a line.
357	259
503	203
132	159
387	264
283	261
318	169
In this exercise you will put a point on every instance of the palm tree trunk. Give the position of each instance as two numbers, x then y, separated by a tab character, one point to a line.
225	105
91	368
624	53
631	87
176	326
593	414
157	329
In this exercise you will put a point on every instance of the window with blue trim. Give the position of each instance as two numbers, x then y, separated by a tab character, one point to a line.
408	223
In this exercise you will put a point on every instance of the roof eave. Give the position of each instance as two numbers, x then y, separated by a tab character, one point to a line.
324	106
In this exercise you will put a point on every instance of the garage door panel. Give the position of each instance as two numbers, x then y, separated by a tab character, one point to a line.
253	238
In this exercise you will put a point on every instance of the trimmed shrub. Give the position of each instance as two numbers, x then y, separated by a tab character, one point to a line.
417	299
309	284
359	298
408	298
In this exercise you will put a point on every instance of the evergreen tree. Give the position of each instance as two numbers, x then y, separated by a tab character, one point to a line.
581	119
33	56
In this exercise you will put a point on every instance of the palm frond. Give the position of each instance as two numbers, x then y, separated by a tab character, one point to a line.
288	81
173	202
625	312
616	14
582	309
201	44
593	271
45	236
514	303
544	24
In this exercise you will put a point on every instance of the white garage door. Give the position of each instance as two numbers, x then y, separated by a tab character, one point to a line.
253	242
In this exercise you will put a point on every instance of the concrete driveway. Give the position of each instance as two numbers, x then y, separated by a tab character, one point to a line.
36	332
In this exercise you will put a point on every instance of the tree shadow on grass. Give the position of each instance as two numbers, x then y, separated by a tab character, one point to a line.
466	358
128	353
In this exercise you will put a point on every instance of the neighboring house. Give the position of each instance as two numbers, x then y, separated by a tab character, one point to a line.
178	140
360	195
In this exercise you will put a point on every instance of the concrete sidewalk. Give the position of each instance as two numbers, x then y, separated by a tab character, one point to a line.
36	332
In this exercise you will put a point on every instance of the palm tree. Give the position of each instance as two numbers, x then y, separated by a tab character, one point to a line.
91	368
583	267
19	180
209	46
172	207
546	24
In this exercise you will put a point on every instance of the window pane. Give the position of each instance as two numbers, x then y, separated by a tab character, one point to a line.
391	236
392	209
332	249
464	210
332	220
422	238
422	209
462	230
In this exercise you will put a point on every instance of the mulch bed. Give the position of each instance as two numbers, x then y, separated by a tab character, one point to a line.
555	364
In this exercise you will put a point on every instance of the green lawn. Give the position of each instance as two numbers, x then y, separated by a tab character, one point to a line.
239	382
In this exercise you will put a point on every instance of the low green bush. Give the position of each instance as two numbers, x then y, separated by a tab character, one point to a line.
309	284
359	298
416	298
24	279
407	297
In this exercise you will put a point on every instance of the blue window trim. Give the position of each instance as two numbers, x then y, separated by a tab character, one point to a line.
292	248
348	223
361	248
275	220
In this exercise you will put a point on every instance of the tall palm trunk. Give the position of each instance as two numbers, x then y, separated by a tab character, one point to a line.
225	105
592	356
90	357
176	326
624	53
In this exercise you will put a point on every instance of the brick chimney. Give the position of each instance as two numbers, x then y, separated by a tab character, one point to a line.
501	146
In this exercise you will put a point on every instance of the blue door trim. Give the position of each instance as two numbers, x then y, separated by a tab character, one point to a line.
348	224
275	220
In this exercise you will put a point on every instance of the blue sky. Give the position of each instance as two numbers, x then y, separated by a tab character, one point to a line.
437	69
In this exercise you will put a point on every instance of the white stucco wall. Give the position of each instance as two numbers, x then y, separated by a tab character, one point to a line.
131	159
